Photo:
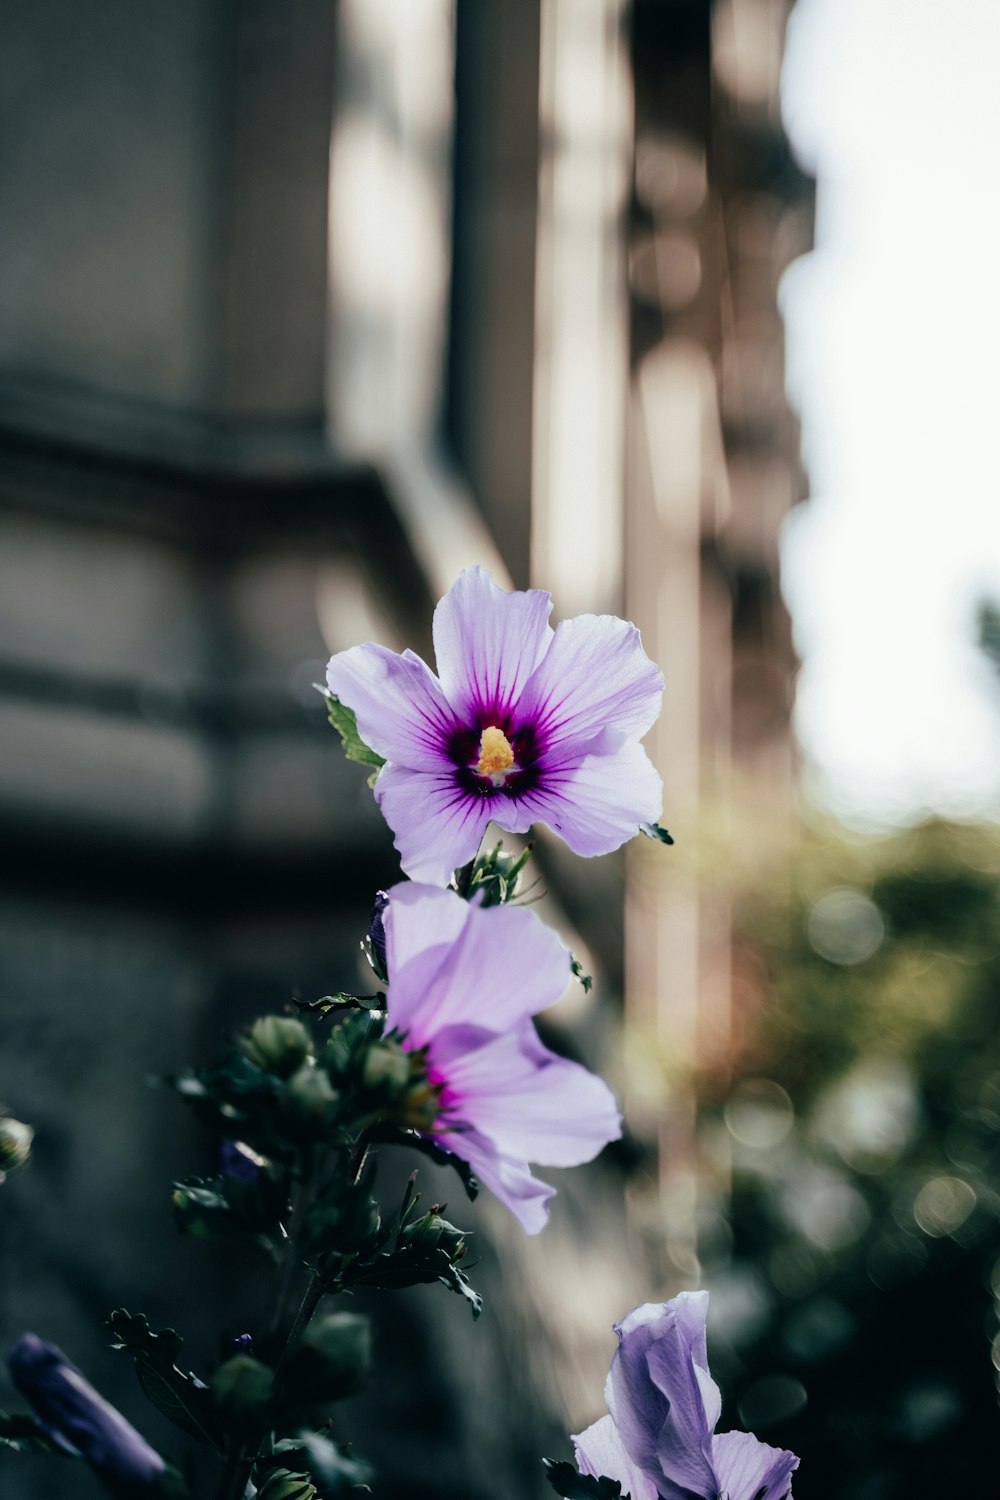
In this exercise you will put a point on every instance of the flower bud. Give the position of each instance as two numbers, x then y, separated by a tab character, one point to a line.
237	1160
387	1068
15	1144
242	1388
81	1421
309	1104
374	944
419	1107
342	1224
332	1358
282	1484
278	1044
430	1233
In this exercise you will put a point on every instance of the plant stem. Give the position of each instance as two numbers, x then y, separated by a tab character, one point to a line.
313	1294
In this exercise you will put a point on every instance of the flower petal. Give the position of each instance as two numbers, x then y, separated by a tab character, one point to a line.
594	676
421	923
502	966
601	1453
596	802
509	1180
487	643
400	708
661	1395
533	1105
437	825
747	1469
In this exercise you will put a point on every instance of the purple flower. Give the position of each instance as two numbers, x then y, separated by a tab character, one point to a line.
523	724
660	1441
464	982
80	1421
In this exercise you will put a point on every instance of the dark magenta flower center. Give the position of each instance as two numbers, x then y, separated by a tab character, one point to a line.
484	743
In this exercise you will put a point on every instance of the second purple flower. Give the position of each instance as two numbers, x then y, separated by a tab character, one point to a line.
464	983
523	724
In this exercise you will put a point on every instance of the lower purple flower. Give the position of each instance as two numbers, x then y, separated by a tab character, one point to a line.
80	1421
660	1441
464	983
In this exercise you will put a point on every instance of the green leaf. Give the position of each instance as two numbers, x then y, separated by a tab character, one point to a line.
172	1485
654	831
328	1005
567	1482
20	1431
457	1281
397	1135
182	1398
332	1466
576	967
345	723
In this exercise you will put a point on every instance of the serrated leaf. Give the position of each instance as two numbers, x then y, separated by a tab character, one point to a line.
328	1004
333	1466
344	721
399	1136
576	967
457	1281
654	831
19	1430
182	1398
565	1480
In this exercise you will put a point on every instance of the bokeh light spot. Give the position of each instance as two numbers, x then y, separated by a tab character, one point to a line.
759	1113
845	927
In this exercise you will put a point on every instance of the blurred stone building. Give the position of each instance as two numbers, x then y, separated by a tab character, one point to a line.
302	308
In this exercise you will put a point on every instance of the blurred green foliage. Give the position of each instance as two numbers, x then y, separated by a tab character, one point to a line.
853	1141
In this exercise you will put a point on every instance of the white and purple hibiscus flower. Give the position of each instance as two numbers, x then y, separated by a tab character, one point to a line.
523	724
464	983
660	1441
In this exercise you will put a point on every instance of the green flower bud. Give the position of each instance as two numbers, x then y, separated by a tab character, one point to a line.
282	1484
309	1104
419	1107
278	1044
332	1359
430	1233
342	1225
387	1067
242	1388
15	1144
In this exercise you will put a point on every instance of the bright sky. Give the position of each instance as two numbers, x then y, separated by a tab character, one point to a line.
893	348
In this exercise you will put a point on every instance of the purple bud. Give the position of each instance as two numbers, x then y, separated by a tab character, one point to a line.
376	934
237	1160
82	1422
243	1344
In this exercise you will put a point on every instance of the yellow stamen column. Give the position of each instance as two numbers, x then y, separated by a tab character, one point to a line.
495	754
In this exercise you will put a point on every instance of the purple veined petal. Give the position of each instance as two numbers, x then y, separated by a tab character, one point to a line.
421	923
596	803
679	1366
487	643
747	1468
81	1421
600	1452
661	1395
594	676
532	1105
502	966
507	1179
436	824
402	713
